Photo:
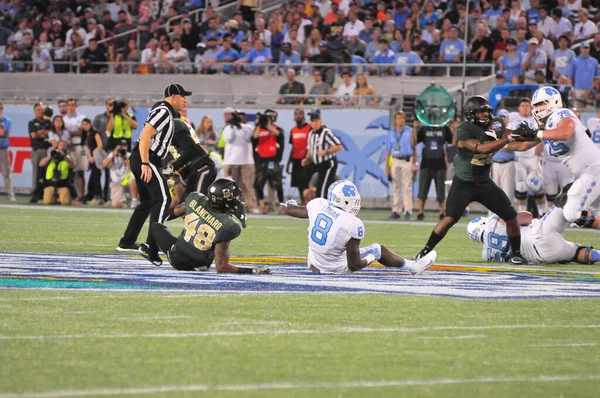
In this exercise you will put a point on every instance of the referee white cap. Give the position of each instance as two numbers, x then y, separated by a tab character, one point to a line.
174	89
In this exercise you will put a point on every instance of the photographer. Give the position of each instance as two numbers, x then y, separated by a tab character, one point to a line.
39	129
120	125
56	181
95	153
238	159
121	177
267	139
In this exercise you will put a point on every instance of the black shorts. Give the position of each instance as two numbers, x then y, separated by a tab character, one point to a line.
486	192
426	175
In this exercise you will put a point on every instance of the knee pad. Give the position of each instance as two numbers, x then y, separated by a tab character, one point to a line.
520	195
551	198
587	254
586	220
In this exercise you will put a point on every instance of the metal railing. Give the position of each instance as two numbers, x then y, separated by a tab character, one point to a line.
302	69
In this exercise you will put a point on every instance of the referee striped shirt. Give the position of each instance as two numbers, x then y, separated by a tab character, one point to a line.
161	117
322	140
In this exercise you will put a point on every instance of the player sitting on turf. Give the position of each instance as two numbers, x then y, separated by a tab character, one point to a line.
210	224
334	234
541	239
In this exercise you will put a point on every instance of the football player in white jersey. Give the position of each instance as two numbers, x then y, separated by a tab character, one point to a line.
555	175
526	162
565	138
334	235
593	125
542	239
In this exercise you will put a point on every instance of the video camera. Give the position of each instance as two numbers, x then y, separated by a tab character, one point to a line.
236	119
262	120
57	155
123	148
118	107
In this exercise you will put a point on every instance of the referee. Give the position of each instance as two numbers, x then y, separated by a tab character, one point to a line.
322	148
150	149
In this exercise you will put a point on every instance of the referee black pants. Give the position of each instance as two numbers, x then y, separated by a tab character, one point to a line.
327	171
155	199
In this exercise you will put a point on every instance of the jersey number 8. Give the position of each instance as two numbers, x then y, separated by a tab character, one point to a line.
321	229
203	235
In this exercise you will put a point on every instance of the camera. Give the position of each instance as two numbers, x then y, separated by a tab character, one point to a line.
262	120
236	119
118	107
122	148
57	155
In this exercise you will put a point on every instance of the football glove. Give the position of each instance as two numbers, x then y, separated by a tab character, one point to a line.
524	132
261	269
491	133
174	179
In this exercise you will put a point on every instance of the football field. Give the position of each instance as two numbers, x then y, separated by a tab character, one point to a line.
79	319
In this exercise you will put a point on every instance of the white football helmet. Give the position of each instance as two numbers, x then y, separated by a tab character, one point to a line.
344	195
475	229
534	182
545	101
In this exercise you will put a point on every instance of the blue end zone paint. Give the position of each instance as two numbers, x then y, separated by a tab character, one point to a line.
47	271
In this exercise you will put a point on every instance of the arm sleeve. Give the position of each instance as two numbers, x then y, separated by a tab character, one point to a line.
192	152
158	118
332	139
357	230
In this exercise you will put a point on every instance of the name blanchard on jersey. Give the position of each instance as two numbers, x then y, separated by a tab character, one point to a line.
205	215
329	211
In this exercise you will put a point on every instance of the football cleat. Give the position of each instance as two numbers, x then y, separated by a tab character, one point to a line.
154	258
417	267
128	247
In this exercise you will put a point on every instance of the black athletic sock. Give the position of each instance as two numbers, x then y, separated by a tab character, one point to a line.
434	239
515	244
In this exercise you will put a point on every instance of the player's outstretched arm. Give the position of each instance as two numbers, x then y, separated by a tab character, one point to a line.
292	209
476	146
521	146
223	266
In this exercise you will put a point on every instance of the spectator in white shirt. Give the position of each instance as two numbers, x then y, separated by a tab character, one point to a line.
264	34
75	28
428	32
545	23
560	26
42	62
345	91
151	56
353	25
178	57
92	33
585	28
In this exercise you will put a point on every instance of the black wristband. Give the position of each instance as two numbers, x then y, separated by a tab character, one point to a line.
145	164
242	270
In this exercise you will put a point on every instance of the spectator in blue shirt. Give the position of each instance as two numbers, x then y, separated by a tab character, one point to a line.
227	55
511	62
583	71
562	58
401	14
257	56
407	56
522	44
288	56
452	48
384	56
373	46
533	14
493	13
366	34
213	31
533	61
429	15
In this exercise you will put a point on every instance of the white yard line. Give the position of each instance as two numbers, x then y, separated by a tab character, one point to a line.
298	386
154	317
461	337
565	345
341	330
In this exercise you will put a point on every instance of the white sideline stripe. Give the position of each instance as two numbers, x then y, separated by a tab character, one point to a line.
466	336
565	345
297	386
154	317
37	298
288	332
249	323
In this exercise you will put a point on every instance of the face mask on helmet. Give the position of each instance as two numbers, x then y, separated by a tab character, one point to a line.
545	101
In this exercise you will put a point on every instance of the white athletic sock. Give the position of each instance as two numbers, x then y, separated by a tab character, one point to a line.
541	208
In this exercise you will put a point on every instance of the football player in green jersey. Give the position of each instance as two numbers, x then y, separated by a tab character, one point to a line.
210	224
479	137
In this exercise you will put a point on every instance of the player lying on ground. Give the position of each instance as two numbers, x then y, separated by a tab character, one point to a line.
334	234
542	240
210	224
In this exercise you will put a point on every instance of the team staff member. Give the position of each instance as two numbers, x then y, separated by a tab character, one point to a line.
433	163
400	147
322	148
478	139
151	148
503	168
299	140
39	128
5	124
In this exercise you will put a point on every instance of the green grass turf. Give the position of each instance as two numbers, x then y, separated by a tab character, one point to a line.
330	353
